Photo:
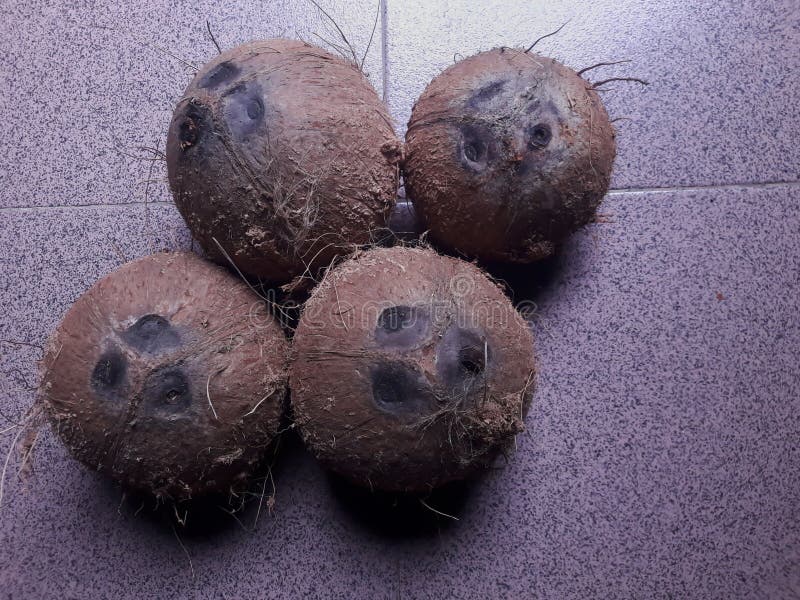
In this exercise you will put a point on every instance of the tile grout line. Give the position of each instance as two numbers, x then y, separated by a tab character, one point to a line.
95	205
385	49
703	187
613	192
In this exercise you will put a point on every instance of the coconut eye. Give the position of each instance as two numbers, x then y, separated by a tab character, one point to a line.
188	132
473	151
191	126
167	390
461	357
151	333
398	389
109	370
224	71
475	147
485	94
472	360
395	318
539	136
244	109
402	327
255	108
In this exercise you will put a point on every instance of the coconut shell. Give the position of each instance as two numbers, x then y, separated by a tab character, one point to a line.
168	375
410	370
507	153
281	156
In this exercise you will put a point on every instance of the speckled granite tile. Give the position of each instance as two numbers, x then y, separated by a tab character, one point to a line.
721	107
660	461
52	255
88	83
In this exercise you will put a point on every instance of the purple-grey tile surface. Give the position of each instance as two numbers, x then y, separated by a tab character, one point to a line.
662	455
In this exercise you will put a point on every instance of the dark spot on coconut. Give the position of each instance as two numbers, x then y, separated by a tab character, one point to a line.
255	108
402	327
486	93
395	318
400	390
532	107
192	127
109	371
476	149
188	133
244	109
167	390
224	71
462	357
472	360
473	151
152	333
539	136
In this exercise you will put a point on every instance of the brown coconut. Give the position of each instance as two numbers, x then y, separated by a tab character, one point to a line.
507	153
410	370
168	375
281	156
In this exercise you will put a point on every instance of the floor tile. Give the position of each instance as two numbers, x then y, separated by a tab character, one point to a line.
660	457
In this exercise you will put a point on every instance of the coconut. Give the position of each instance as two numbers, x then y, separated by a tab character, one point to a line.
281	156
410	370
168	375
507	153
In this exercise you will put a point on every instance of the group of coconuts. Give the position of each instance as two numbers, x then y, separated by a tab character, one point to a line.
408	369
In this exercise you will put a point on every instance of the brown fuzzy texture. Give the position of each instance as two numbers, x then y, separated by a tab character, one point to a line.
415	402
507	154
285	155
127	376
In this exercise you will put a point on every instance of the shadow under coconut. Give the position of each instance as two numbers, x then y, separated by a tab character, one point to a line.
527	283
214	515
199	518
402	516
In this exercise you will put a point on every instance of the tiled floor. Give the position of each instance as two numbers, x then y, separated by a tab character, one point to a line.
661	458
